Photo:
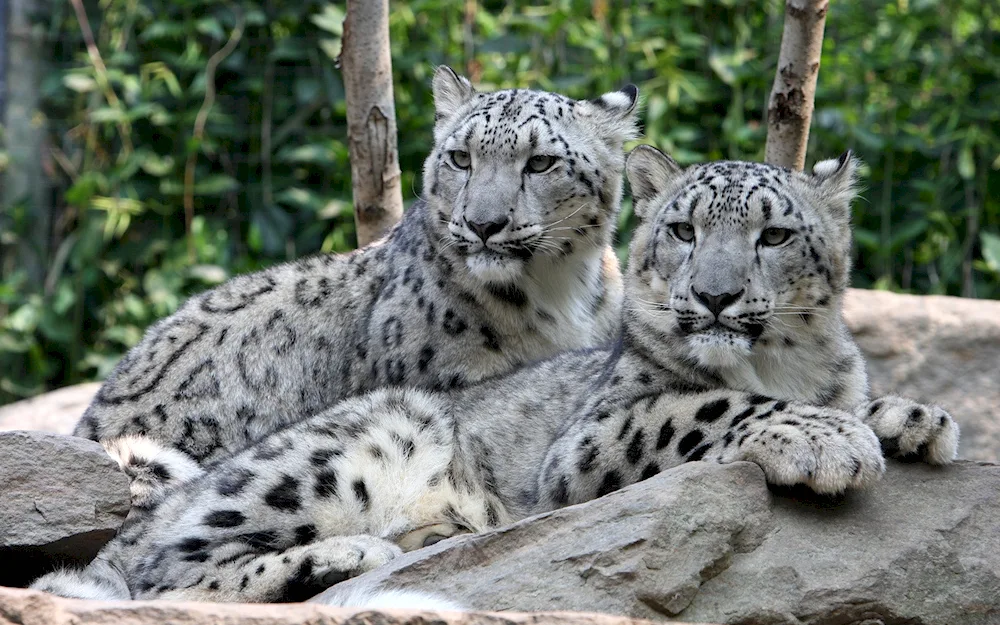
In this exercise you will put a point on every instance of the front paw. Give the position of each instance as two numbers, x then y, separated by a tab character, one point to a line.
908	429
828	451
341	557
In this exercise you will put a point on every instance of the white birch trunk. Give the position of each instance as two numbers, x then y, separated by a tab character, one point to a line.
371	118
789	112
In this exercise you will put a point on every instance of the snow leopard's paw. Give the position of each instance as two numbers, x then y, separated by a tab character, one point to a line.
908	429
341	557
829	451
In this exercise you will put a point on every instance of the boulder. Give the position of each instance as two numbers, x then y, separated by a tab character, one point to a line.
943	350
25	607
710	543
61	499
57	411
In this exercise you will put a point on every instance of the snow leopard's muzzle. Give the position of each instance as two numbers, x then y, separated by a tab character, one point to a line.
494	249
716	296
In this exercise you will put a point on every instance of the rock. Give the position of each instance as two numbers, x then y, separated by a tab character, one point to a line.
617	548
709	543
57	411
25	607
61	499
942	350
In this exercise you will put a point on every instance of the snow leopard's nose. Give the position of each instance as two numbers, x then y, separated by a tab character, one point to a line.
716	302
484	230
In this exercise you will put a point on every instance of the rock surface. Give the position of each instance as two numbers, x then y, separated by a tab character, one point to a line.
709	543
57	411
24	607
61	499
944	350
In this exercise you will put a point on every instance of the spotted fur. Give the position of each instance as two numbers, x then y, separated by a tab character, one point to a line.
323	499
687	380
432	305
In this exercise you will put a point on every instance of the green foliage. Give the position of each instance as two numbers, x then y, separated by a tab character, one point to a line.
910	85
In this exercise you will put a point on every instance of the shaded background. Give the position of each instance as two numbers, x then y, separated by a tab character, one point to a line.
98	249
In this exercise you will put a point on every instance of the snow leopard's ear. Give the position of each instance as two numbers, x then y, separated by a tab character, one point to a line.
836	179
614	114
451	91
650	172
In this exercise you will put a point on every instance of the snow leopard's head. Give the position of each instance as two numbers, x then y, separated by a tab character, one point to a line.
727	253
517	175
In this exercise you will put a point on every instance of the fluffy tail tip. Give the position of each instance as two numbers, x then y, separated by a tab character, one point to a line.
80	584
394	599
151	467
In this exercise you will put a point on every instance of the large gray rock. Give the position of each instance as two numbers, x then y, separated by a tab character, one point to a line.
944	350
61	499
57	411
610	555
706	542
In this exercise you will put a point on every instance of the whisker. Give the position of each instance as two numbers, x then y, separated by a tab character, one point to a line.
648	311
580	227
657	305
799	308
580	208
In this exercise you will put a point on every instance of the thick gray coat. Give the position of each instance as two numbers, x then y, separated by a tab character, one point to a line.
433	305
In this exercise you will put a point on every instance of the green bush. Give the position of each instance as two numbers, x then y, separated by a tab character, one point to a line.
910	85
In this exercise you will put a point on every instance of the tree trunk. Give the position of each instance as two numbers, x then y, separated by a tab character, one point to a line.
792	96
24	129
3	57
371	118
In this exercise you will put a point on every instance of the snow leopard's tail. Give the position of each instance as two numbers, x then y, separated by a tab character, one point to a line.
99	580
103	582
152	469
388	599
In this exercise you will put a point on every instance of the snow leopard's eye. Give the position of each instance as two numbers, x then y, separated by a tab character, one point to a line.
460	159
433	539
540	163
682	230
774	236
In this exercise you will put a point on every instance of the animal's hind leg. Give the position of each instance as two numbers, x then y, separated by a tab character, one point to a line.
295	574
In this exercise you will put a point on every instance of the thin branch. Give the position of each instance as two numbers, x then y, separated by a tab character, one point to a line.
64	163
267	106
202	118
101	72
295	122
469	37
971	234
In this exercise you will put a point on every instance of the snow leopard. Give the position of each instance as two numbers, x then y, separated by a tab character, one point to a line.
732	348
504	261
